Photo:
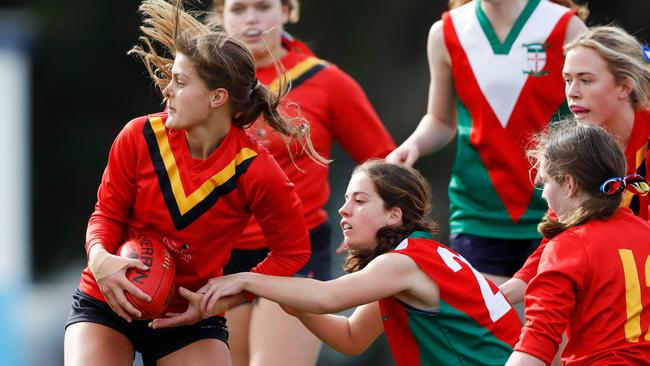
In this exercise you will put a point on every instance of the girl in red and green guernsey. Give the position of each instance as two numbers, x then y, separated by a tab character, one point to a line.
402	282
338	110
592	276
190	177
607	84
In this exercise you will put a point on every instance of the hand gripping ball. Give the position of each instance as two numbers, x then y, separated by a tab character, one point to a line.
157	281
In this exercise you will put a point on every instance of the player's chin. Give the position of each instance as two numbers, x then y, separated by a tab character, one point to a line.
173	122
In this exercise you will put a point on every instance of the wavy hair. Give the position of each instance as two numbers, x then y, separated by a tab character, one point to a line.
398	186
624	57
590	155
221	61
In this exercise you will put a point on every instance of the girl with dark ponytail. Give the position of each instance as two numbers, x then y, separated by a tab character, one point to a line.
434	307
190	178
589	277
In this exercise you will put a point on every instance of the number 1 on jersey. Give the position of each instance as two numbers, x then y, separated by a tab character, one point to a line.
633	305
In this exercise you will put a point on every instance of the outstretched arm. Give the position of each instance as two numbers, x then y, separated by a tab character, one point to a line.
438	126
385	276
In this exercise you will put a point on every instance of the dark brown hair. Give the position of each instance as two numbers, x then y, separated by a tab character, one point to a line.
398	186
590	155
221	61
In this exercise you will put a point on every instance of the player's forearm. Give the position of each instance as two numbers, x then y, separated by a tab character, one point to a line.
303	294
228	302
514	290
333	330
431	135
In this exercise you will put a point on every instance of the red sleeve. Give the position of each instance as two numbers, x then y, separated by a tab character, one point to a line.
529	269
107	225
278	210
354	122
551	295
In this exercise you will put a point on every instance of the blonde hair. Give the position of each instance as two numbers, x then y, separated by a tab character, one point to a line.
581	10
624	57
221	61
294	9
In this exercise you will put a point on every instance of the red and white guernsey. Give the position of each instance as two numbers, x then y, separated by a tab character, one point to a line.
506	92
474	325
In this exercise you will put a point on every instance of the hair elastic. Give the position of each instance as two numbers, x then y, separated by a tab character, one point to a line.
633	183
645	50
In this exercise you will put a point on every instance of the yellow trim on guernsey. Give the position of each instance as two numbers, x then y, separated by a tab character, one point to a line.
184	202
297	70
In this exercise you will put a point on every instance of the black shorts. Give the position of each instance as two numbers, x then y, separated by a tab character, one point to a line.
153	344
500	257
319	265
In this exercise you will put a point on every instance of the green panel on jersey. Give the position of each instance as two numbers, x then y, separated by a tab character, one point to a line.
475	207
562	113
497	47
420	235
453	338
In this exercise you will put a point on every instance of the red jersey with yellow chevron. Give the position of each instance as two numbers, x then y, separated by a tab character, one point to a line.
506	92
337	109
197	208
474	325
636	159
593	282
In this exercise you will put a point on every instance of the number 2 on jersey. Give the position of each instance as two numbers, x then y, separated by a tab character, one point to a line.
496	304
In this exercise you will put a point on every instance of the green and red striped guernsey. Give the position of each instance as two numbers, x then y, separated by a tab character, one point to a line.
474	325
506	92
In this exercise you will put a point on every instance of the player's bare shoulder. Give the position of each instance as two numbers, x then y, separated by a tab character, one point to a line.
436	47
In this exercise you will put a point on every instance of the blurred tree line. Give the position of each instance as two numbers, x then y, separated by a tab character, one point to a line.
85	88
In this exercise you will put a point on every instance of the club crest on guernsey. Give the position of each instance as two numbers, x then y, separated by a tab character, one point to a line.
536	57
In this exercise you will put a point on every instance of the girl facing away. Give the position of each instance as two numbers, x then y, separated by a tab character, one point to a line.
593	275
607	84
190	177
401	281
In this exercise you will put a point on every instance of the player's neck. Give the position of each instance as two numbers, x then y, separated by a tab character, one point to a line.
503	14
203	139
270	57
621	126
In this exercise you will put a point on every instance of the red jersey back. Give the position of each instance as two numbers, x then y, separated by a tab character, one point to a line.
595	280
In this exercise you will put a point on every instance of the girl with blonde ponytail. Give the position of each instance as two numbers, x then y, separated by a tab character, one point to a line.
402	281
190	178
